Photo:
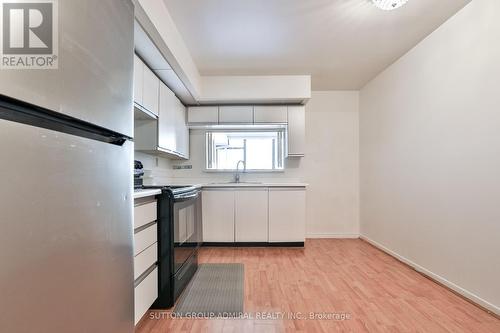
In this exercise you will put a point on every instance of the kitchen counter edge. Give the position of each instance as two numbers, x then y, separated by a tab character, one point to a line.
239	185
146	193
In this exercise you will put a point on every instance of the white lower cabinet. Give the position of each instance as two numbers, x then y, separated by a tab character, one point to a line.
218	215
145	293
144	212
254	215
251	218
287	214
145	255
145	238
144	260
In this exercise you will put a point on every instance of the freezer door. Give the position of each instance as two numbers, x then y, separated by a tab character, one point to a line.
94	79
66	248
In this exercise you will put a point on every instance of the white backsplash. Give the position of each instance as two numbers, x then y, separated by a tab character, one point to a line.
159	170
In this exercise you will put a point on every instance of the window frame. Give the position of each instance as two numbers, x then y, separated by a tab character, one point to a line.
276	129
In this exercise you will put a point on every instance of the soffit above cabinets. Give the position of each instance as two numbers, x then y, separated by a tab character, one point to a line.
148	51
160	45
154	59
269	89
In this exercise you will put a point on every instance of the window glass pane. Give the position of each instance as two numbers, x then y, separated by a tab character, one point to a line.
260	153
228	158
260	150
228	150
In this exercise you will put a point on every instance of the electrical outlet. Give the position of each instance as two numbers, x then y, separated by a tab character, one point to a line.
180	167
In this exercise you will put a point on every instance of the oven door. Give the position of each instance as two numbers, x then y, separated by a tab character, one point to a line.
187	227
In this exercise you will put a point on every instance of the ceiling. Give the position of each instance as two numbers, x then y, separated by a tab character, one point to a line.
341	43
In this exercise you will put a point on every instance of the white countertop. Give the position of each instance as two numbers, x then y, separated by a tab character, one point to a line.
151	192
249	184
146	193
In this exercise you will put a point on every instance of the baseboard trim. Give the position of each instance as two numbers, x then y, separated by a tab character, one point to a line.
253	244
326	235
467	295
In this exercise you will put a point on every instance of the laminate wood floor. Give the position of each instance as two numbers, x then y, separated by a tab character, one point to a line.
350	284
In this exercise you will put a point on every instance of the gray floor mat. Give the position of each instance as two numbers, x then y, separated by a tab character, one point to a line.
216	290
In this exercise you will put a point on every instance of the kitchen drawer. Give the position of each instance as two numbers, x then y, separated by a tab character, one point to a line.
145	238
145	294
144	214
145	259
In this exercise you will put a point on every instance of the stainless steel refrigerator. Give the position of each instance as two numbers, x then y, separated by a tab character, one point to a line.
66	257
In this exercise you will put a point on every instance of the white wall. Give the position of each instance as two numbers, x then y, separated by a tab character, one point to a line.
292	173
430	155
330	166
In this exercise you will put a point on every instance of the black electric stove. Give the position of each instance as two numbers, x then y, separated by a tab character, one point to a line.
179	239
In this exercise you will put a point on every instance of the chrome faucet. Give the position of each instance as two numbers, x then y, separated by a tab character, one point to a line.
237	174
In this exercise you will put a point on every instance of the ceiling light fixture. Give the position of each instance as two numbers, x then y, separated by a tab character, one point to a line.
389	4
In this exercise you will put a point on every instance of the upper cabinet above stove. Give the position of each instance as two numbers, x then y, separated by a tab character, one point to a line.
146	88
160	126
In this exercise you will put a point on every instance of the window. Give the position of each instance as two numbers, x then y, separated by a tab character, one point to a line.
259	150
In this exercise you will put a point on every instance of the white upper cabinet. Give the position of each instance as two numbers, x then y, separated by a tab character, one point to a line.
270	114
181	129
150	91
168	134
167	119
203	115
138	79
296	130
146	87
173	133
236	114
293	116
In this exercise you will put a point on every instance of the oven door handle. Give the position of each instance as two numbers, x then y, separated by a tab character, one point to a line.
186	197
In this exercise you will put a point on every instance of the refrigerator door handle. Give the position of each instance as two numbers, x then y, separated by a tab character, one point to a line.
28	114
